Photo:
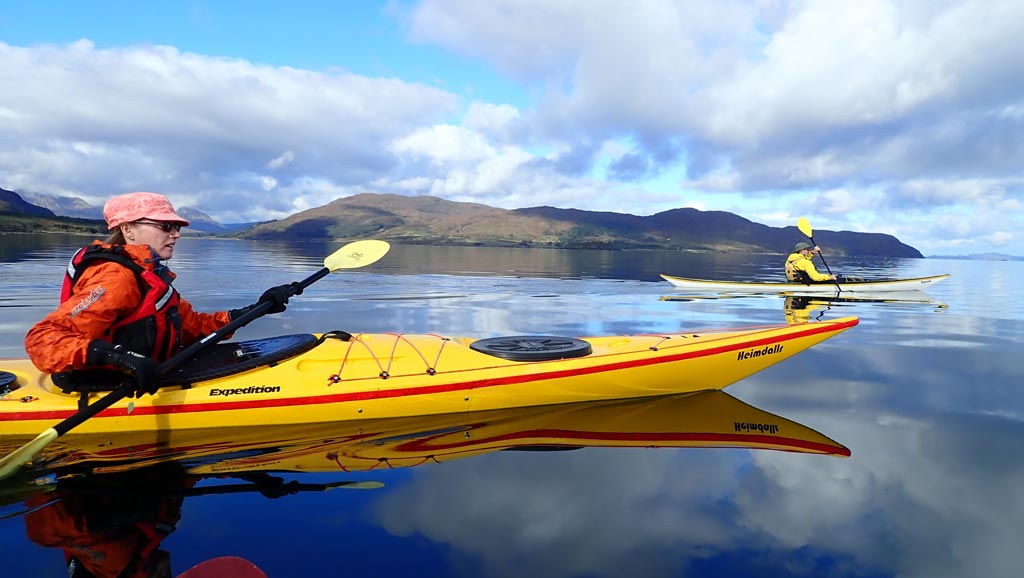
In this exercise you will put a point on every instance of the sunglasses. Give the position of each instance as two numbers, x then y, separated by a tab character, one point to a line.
165	227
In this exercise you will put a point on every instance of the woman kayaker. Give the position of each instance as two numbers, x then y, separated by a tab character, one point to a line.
800	267
117	306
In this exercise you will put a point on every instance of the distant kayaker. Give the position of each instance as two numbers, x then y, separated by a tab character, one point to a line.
118	309
800	267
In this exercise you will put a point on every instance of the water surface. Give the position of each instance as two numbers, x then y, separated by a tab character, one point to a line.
927	396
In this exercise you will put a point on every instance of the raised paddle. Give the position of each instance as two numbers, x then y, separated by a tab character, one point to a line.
352	256
805	227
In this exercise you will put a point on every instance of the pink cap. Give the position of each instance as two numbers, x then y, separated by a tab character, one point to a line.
134	206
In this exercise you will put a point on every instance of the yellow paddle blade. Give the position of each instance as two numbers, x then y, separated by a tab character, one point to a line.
366	485
805	227
23	455
357	254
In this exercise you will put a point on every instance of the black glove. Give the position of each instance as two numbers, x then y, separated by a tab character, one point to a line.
277	296
144	370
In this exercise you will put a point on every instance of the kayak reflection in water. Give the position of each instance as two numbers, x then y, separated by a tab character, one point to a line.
111	530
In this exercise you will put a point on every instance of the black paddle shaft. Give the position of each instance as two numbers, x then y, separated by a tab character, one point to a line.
839	289
122	391
823	261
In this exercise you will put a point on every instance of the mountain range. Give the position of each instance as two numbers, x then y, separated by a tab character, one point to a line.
980	257
435	221
12	203
76	207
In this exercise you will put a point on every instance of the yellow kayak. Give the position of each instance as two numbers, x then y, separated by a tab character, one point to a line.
334	378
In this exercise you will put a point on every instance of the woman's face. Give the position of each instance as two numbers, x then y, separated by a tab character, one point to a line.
159	235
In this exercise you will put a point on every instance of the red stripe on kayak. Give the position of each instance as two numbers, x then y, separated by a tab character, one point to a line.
811	329
650	438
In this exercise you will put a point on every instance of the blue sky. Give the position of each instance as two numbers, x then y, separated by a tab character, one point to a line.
897	117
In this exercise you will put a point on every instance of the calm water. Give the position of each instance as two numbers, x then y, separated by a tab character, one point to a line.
927	396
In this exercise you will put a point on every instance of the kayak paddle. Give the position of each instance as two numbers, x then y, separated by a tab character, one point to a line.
351	256
805	227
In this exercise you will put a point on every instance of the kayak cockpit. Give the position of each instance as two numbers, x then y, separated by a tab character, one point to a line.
218	360
225	359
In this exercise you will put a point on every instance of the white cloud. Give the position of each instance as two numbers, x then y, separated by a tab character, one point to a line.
766	96
490	119
444	144
281	161
917	103
268	183
154	118
840	202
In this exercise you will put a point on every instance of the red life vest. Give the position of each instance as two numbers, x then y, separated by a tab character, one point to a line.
154	328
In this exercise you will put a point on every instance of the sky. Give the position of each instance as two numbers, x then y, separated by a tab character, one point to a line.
898	117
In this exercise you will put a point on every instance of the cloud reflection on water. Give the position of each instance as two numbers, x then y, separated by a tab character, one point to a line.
928	404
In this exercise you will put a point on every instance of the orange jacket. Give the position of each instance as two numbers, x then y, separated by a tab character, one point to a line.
104	293
797	263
